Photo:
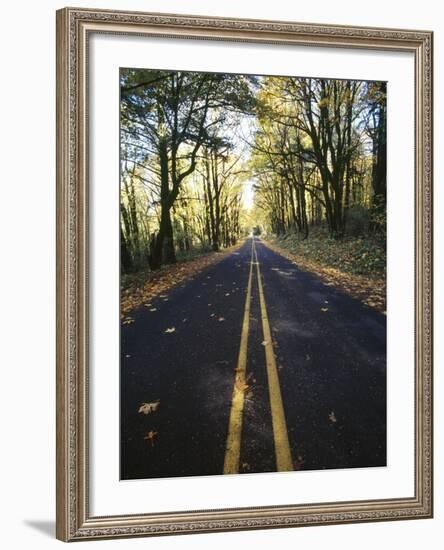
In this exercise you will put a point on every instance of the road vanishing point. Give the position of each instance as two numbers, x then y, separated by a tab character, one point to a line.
256	366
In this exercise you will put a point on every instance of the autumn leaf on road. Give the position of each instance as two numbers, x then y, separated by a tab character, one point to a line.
153	309
128	321
170	330
324	309
332	417
150	437
299	463
148	408
221	319
264	343
241	385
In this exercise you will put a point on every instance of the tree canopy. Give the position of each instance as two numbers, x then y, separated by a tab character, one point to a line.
207	158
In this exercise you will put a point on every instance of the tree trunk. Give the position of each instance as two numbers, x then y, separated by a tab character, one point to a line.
163	246
125	256
169	252
379	169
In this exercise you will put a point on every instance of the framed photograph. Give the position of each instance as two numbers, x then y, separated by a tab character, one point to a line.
244	274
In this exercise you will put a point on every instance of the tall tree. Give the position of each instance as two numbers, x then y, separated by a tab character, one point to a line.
169	116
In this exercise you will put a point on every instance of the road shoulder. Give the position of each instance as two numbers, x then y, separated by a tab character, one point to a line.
371	292
151	284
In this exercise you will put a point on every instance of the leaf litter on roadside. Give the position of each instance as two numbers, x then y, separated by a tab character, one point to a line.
339	271
142	287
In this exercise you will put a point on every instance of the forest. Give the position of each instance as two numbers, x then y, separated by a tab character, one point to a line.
207	159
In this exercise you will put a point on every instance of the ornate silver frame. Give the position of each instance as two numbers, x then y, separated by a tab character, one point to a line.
73	519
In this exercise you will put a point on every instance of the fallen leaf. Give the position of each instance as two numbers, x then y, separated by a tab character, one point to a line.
324	309
128	321
299	463
127	356
153	309
163	296
150	437
227	293
264	343
213	315
148	408
332	417
241	385
170	330
147	305
221	319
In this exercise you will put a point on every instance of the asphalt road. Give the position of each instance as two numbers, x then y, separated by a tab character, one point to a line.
311	395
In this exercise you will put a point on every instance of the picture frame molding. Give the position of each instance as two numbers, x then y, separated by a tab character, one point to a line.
74	25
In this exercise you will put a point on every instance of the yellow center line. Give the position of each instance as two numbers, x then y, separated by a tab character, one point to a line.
281	444
232	450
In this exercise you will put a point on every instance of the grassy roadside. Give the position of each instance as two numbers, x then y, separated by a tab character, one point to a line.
355	266
141	287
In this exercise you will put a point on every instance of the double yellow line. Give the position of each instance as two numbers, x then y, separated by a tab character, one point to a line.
280	433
